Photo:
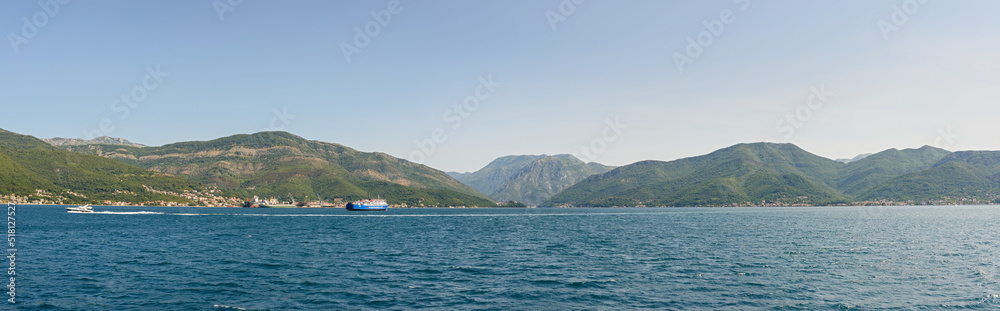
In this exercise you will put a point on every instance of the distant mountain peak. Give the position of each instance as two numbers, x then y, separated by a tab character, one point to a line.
102	140
859	157
529	179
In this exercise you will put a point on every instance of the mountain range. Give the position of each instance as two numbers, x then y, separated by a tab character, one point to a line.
529	179
280	164
285	166
105	140
784	174
33	169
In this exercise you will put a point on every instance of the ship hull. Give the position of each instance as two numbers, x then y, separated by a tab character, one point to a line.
363	207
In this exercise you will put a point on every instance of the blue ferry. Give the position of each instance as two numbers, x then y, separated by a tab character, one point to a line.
368	205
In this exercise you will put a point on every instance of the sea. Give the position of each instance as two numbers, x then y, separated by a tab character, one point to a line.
789	258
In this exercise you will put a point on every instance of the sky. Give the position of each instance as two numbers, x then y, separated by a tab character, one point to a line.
456	84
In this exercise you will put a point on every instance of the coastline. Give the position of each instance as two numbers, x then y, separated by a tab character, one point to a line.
552	207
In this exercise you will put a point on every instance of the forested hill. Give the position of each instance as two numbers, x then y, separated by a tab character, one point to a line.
31	168
283	165
784	174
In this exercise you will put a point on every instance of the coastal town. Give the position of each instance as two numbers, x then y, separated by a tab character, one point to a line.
207	198
197	198
214	198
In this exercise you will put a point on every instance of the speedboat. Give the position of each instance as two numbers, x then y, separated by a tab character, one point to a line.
80	209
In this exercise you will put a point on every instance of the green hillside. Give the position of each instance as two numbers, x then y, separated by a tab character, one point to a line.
987	162
742	174
276	164
28	164
762	174
954	180
959	176
862	175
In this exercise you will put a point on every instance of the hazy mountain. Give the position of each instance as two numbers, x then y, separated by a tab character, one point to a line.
741	174
489	179
859	157
530	179
102	140
457	176
278	164
28	164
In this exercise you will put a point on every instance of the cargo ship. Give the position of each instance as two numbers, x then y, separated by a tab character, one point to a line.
275	204
368	205
272	203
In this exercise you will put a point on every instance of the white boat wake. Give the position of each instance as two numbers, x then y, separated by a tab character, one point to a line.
126	213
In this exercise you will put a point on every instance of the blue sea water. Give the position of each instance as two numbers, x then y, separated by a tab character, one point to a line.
817	258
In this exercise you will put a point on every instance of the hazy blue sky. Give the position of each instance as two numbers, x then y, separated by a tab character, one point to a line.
893	74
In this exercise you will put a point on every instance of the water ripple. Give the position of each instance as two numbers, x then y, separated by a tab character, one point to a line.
837	258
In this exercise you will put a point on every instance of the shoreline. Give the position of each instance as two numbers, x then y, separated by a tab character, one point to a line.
491	207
